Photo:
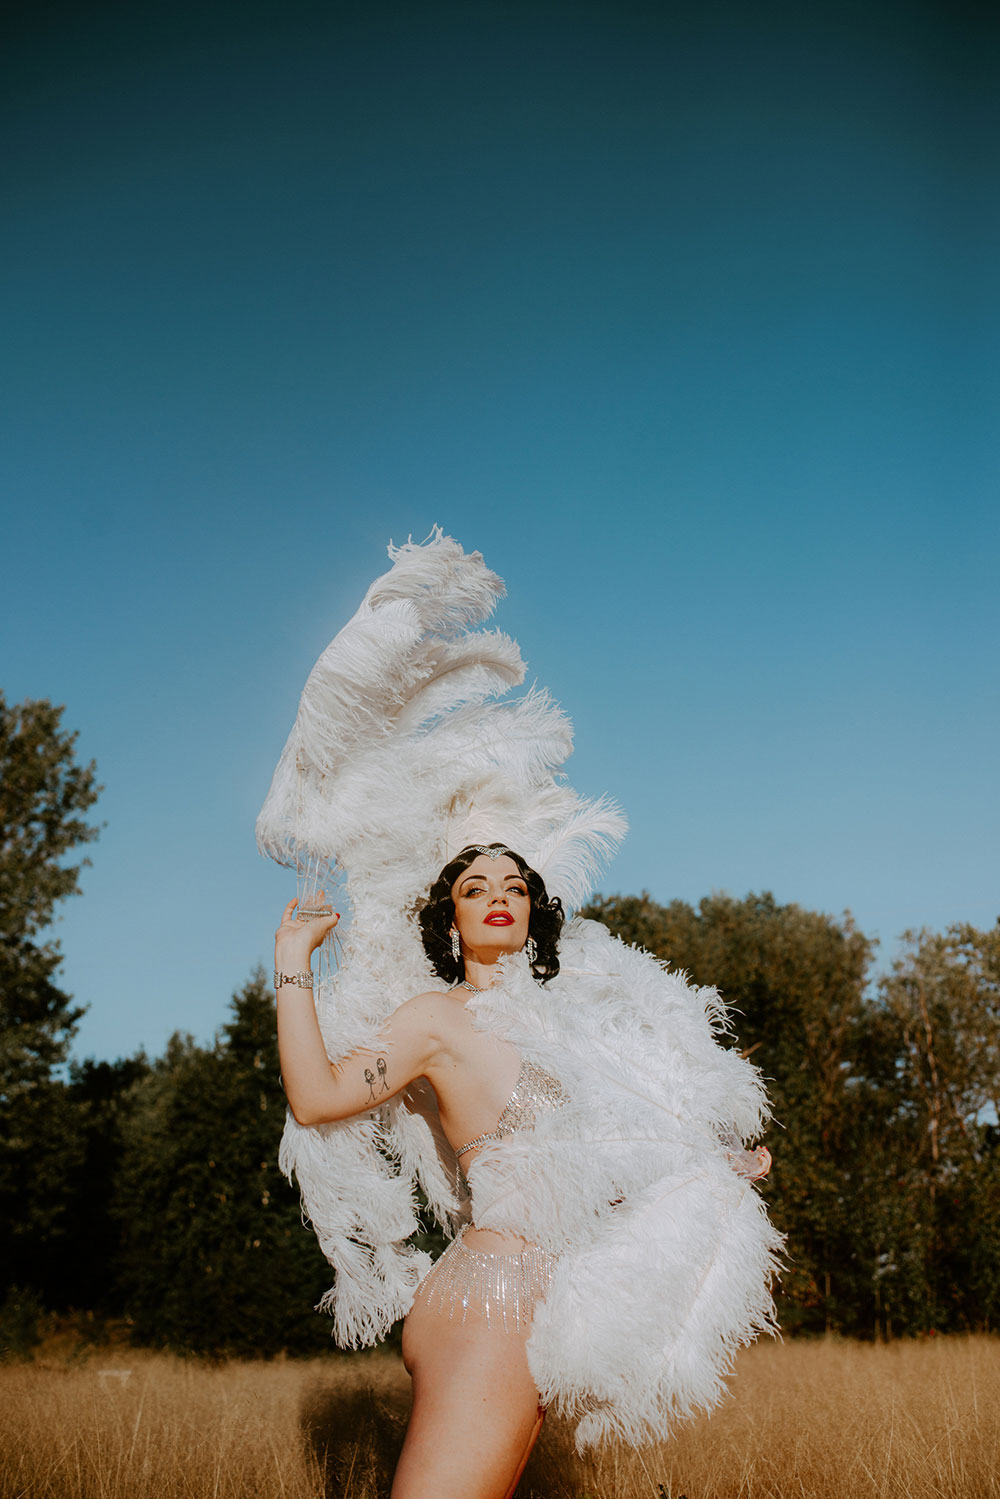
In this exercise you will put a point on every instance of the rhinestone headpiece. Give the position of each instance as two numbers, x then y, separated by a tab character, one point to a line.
493	853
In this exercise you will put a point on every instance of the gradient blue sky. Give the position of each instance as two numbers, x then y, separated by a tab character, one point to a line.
686	317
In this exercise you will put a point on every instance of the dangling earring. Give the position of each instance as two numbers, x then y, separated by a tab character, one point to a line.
531	948
456	944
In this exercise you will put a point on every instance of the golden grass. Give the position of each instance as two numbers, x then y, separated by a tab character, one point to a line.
819	1420
151	1426
806	1421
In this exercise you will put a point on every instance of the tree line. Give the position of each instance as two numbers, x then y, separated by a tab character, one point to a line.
147	1190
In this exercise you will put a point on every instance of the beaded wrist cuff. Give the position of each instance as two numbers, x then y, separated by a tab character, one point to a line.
304	980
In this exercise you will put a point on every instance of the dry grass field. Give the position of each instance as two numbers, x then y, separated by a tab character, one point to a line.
806	1421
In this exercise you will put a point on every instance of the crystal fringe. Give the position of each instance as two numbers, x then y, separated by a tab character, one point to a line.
505	1288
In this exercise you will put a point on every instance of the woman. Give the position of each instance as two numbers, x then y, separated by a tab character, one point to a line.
615	1260
476	1411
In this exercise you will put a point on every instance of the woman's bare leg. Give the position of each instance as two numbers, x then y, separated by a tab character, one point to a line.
527	1452
475	1410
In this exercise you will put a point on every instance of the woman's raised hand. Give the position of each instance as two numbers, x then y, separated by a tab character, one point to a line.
300	937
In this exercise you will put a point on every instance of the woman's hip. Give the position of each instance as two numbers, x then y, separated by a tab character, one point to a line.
487	1278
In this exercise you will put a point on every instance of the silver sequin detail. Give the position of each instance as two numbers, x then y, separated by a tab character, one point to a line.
534	1092
504	1288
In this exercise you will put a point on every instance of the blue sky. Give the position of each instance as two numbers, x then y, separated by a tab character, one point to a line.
687	318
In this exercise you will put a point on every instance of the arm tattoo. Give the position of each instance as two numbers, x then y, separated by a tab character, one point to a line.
382	1080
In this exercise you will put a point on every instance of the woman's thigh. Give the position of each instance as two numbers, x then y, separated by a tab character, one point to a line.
475	1407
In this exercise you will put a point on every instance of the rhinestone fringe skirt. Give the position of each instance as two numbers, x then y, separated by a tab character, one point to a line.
504	1288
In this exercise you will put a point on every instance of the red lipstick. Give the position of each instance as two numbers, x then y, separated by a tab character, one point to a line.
499	918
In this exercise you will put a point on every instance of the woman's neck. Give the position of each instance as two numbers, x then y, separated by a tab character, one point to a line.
481	975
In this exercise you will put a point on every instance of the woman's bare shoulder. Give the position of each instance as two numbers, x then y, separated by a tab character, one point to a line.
435	1008
432	999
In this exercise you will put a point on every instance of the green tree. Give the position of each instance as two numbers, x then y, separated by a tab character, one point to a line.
214	1257
43	796
941	1005
102	1096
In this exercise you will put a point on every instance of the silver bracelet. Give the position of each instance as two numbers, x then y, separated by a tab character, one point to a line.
304	980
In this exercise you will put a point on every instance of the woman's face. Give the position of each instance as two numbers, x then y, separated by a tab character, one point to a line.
492	907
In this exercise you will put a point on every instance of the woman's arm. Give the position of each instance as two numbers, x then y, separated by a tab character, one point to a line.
318	1090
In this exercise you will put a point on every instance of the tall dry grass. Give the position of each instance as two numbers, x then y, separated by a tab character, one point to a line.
819	1420
151	1426
806	1421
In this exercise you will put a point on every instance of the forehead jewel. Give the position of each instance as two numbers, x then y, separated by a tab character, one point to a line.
494	853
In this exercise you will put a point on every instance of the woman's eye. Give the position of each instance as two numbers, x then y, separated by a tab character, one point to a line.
516	890
473	890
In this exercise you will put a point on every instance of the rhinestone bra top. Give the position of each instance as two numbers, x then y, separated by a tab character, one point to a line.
534	1092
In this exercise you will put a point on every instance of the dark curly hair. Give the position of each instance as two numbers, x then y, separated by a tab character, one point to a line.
437	913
